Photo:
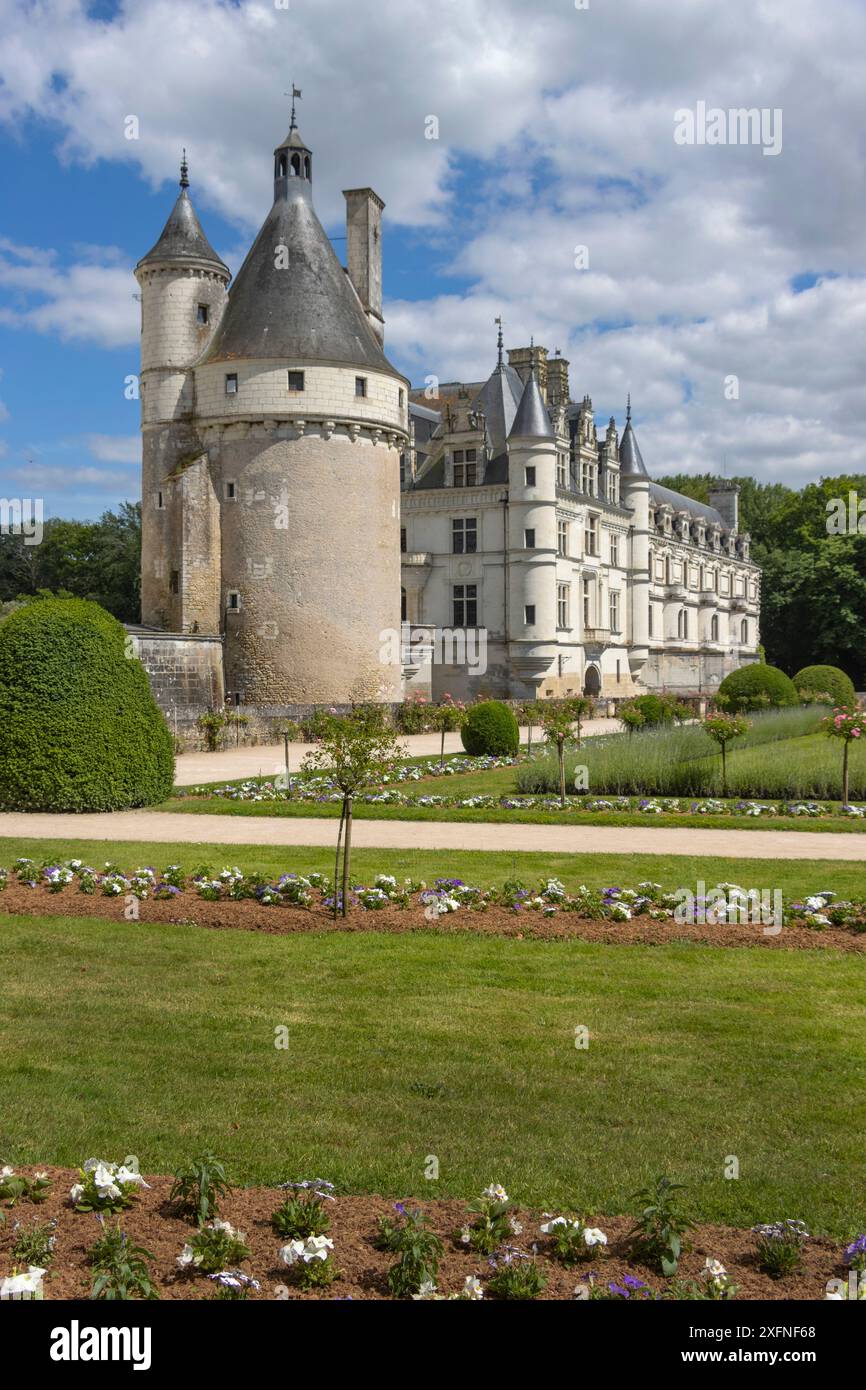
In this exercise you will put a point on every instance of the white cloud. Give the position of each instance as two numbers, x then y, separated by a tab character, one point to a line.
556	129
115	448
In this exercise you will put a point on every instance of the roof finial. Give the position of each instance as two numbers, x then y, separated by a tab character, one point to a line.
628	410
499	341
296	92
184	172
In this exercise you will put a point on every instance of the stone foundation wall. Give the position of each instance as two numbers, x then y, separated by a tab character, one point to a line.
185	671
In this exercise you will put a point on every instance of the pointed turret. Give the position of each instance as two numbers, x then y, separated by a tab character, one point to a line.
182	241
631	461
532	420
497	401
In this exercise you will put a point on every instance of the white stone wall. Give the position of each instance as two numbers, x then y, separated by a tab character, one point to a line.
329	393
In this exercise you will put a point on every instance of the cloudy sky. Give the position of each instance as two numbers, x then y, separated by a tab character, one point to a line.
556	131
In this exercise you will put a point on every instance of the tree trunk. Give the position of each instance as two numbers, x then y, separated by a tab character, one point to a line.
724	773
529	741
347	851
442	748
562	773
337	861
845	774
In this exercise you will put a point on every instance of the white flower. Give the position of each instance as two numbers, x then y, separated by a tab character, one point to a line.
593	1236
7	1172
27	1285
496	1191
186	1257
472	1288
551	1225
125	1174
313	1248
465	1235
715	1269
77	1192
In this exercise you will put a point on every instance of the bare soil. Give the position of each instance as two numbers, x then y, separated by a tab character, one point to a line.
153	1223
188	909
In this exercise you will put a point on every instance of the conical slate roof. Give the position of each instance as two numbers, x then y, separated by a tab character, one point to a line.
498	400
630	460
305	311
532	420
183	241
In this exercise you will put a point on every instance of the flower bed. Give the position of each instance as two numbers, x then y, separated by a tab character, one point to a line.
727	914
473	1250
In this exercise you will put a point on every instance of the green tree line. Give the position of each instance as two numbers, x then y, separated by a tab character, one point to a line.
97	560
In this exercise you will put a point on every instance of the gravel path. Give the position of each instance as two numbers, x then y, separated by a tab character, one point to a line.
168	826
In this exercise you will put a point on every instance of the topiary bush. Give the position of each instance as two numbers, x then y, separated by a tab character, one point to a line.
756	687
656	709
490	730
826	680
79	727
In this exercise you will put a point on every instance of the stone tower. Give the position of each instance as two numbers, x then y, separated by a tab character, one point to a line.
532	535
284	461
635	491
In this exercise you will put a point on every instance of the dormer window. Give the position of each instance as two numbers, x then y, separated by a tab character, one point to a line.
202	314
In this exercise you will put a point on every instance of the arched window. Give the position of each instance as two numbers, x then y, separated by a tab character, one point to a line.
714	628
307	167
296	166
683	623
744	630
281	167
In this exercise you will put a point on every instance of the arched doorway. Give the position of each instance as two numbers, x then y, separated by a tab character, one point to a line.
592	682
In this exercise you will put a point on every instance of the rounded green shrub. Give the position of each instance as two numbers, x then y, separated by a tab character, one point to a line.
656	709
490	730
755	687
826	680
79	727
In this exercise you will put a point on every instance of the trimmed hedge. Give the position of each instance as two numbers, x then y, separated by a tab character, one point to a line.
79	727
490	730
827	680
756	686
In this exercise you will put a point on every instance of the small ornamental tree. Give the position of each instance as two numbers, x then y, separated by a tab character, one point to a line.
530	715
631	716
556	722
446	717
722	728
357	750
847	723
582	707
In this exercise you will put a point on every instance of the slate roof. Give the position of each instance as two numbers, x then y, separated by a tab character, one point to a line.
532	420
182	240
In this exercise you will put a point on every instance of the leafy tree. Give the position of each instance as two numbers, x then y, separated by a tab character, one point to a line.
357	750
847	723
557	719
722	729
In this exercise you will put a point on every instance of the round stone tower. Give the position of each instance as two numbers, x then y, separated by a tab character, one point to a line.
532	536
303	419
183	295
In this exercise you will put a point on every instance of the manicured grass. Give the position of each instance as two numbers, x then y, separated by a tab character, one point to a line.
116	1039
483	867
218	806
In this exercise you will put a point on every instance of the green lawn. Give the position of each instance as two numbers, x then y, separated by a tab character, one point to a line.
116	1039
485	868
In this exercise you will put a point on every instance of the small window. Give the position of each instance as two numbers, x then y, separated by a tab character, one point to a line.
174	582
614	550
464	473
563	605
529	615
401	396
650	625
529	538
233	600
530	475
231	492
471	455
562	541
160	501
465	605
296	381
402	540
202	313
464	535
360	386
614	610
231	384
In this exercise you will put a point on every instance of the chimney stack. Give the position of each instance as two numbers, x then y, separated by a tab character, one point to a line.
725	497
364	252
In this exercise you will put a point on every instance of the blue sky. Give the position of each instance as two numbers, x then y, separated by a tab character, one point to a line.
555	131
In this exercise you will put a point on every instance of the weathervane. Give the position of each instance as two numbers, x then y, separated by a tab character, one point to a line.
499	337
296	95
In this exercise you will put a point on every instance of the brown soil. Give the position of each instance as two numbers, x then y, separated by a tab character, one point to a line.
153	1223
188	909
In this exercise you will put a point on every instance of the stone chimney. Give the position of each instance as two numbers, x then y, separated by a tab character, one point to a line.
523	360
557	380
364	252
725	497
